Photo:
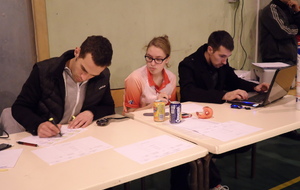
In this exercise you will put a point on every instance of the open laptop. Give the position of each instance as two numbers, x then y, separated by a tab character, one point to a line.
279	87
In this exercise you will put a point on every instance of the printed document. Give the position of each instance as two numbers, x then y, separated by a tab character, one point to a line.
66	133
71	150
154	148
9	158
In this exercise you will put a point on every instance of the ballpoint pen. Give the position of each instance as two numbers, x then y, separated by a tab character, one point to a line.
26	143
53	122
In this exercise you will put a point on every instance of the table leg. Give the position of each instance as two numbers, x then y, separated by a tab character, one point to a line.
206	161
193	175
200	174
143	183
253	160
127	186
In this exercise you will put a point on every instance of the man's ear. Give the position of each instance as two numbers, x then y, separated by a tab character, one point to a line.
77	52
210	50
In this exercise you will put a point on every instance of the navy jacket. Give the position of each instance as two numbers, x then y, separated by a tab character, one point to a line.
278	29
197	83
43	94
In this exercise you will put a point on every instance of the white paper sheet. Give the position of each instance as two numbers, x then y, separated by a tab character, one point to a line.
71	150
222	131
191	108
9	158
154	148
66	133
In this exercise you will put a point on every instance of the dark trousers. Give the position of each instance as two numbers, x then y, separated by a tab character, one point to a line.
179	175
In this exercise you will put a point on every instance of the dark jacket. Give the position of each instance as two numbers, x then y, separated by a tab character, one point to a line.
43	94
278	30
197	83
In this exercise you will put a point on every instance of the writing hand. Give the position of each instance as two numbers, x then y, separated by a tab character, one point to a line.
47	129
82	120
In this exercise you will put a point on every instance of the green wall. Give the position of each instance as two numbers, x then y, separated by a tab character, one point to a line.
131	24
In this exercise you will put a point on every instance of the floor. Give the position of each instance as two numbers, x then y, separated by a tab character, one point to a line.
277	167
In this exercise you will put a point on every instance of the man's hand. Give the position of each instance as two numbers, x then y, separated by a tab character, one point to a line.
263	87
82	120
294	5
47	129
236	94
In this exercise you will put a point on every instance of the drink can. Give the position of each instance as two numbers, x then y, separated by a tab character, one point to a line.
175	112
159	110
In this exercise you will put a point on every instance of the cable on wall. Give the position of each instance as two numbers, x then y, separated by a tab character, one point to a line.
242	28
241	33
234	19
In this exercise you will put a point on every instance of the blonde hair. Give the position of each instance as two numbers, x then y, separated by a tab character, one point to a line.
163	43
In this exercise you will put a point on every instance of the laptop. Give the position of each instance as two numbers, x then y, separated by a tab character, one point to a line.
279	87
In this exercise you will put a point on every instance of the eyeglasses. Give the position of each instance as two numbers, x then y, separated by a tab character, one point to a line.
157	61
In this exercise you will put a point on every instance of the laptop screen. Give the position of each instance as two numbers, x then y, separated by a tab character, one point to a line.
281	83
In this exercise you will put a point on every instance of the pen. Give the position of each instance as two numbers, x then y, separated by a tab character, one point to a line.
26	143
53	122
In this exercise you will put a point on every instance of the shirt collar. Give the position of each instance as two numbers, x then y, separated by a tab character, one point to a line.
166	80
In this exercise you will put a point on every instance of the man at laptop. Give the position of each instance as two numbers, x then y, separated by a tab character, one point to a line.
205	75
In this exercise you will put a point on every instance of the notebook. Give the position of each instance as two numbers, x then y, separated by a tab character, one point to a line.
279	87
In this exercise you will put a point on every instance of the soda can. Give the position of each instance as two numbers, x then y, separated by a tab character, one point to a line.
159	111
175	112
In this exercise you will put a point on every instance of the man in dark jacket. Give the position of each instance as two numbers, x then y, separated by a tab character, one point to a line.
280	21
74	84
205	76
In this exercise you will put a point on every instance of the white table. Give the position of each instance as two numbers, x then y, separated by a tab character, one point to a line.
96	171
274	119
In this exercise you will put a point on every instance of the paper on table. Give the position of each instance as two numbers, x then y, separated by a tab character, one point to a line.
222	131
9	158
67	133
154	148
191	108
71	150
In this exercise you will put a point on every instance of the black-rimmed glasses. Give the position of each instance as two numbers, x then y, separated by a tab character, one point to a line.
157	61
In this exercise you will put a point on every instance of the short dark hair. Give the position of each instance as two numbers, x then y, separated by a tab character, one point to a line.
100	49
220	38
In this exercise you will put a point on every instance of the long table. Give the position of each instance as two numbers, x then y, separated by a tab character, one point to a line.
100	170
274	119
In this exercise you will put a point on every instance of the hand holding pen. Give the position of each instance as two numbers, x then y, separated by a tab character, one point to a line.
53	122
48	129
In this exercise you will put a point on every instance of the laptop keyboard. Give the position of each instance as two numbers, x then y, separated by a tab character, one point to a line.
257	98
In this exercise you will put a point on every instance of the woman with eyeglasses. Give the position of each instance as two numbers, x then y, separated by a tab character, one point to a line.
152	81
